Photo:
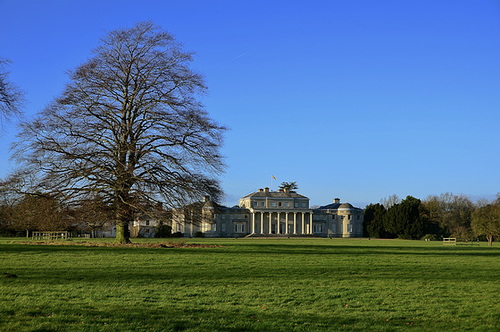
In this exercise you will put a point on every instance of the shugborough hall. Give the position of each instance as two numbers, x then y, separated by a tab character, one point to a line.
268	213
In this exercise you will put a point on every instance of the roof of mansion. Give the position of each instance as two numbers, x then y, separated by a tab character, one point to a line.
335	206
277	194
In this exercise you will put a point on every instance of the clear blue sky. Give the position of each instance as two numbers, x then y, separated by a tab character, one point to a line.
357	99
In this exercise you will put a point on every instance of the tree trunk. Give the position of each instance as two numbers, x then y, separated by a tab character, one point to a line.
122	232
490	240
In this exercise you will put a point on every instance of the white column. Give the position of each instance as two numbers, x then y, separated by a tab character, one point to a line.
270	222
295	223
303	228
253	223
311	223
286	223
278	223
262	223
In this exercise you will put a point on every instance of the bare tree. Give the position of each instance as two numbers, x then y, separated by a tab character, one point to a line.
39	212
451	212
128	127
92	214
10	95
486	221
390	201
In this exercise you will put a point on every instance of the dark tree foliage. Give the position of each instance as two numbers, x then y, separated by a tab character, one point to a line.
6	220
163	231
289	186
374	217
405	220
128	127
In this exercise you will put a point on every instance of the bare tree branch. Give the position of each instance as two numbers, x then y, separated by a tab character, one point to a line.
11	97
128	127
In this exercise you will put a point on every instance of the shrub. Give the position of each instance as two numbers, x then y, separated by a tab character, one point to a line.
430	237
163	231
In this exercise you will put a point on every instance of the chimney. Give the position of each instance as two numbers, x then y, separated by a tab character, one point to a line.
261	190
266	189
336	200
206	199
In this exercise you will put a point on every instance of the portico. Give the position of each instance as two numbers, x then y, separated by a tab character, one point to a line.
294	222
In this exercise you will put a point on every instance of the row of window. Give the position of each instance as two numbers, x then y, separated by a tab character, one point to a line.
240	228
207	227
231	217
279	204
318	228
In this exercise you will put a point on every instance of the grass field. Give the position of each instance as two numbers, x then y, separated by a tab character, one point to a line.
250	285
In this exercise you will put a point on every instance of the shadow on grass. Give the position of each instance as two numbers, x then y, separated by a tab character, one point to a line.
244	248
247	262
181	316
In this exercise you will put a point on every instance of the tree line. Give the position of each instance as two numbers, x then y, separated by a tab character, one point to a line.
433	218
20	215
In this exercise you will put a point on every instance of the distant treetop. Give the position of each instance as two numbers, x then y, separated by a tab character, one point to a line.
289	186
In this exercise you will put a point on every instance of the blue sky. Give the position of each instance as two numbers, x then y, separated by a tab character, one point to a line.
356	99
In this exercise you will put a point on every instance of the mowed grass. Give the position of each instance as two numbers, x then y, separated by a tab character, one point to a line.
251	285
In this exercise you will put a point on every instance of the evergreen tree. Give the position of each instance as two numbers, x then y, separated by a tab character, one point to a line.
373	225
404	220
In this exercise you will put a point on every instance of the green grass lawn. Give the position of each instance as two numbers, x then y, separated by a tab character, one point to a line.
251	285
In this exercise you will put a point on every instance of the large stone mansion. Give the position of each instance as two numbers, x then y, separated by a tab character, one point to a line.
269	213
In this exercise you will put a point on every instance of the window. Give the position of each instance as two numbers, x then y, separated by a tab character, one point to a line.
255	204
287	204
224	228
262	204
349	228
296	205
239	228
273	204
334	228
318	228
333	217
349	217
147	222
358	217
303	205
279	204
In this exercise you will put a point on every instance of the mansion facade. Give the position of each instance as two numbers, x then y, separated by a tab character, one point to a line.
268	213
